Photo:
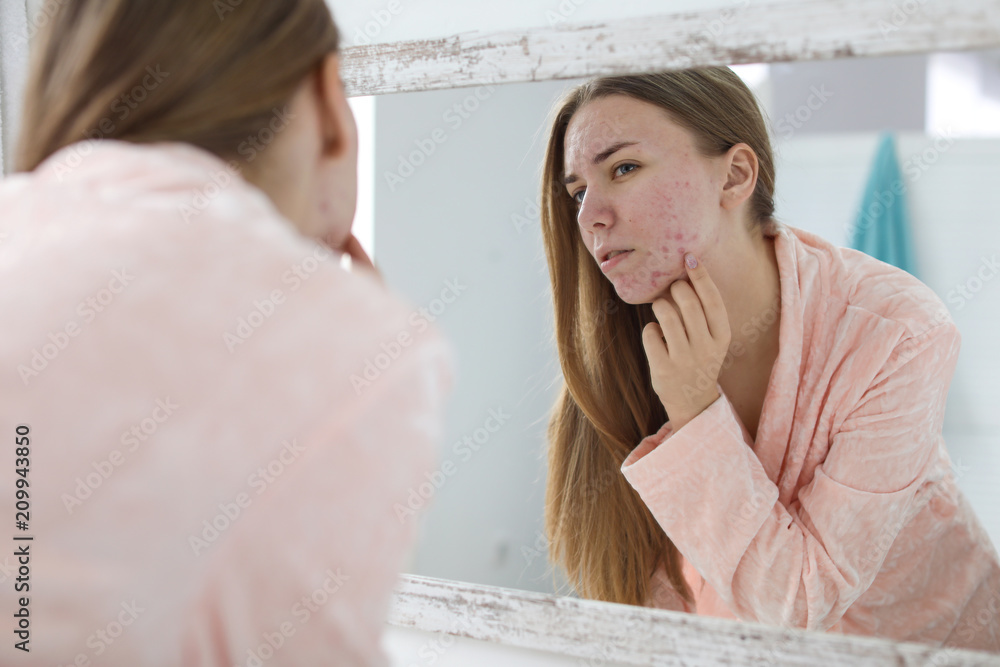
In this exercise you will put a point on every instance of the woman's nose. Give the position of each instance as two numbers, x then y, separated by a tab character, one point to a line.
594	211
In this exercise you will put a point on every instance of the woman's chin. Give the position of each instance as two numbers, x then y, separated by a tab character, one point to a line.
635	297
645	284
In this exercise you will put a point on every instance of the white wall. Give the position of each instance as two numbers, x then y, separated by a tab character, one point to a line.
858	95
466	214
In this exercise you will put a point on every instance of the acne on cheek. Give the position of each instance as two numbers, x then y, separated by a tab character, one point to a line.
665	253
653	276
680	204
666	210
691	239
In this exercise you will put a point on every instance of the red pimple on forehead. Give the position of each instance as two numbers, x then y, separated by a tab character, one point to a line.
678	236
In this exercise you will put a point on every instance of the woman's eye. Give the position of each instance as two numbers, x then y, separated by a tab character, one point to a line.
576	196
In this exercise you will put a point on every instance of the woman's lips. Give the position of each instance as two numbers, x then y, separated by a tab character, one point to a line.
609	264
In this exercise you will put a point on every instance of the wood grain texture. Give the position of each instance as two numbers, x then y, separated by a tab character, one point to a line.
605	632
743	33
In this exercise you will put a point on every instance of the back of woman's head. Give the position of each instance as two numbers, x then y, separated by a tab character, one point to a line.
599	529
209	73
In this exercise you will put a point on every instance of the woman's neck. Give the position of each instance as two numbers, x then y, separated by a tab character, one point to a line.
751	290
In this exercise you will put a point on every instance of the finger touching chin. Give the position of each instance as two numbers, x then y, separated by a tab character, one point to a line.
336	241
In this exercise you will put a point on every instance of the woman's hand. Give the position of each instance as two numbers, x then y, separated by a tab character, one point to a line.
685	367
359	258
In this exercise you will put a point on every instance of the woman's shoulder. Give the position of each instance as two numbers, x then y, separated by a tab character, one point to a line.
207	256
851	280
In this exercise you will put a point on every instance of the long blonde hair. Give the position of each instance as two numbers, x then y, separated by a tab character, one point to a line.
598	528
206	73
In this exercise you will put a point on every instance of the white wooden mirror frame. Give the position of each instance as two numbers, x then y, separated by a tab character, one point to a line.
605	633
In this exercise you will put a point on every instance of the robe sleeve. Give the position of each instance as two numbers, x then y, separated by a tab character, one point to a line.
802	565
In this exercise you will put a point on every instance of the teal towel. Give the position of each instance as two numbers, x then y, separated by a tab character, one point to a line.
882	227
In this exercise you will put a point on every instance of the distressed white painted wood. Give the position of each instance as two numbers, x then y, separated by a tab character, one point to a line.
745	33
407	647
601	631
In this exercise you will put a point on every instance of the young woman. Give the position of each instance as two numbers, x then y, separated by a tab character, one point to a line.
750	425
199	390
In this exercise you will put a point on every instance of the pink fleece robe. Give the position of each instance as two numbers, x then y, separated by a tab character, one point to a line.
221	448
844	513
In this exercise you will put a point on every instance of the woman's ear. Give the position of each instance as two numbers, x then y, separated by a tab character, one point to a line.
741	175
336	120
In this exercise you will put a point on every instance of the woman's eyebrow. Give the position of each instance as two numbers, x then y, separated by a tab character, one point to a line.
601	157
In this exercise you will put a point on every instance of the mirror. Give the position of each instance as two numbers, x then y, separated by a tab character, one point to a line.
457	233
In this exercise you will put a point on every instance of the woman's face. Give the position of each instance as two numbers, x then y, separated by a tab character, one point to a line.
641	186
312	179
